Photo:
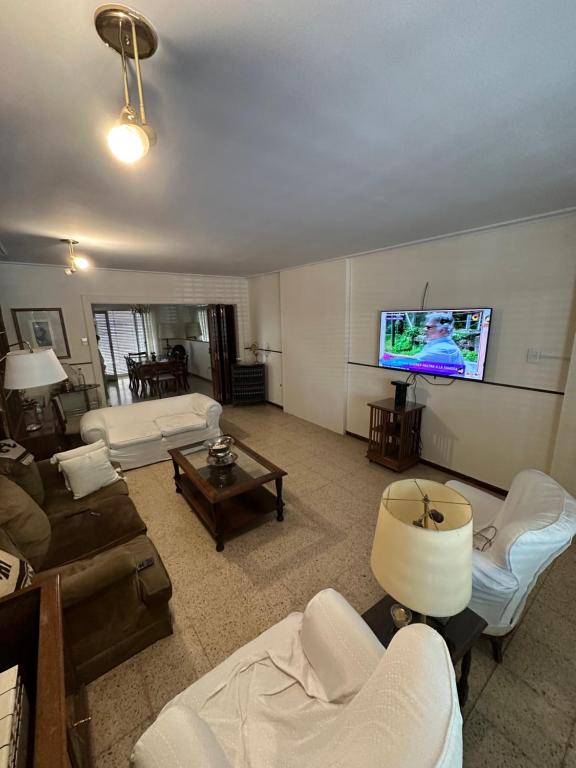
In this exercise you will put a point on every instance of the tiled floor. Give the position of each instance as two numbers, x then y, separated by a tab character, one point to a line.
520	714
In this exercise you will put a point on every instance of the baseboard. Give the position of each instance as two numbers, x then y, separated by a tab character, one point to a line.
460	475
197	376
269	402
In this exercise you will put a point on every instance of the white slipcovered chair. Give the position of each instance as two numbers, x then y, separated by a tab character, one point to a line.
316	690
515	540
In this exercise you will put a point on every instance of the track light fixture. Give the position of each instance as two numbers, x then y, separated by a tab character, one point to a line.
132	36
75	262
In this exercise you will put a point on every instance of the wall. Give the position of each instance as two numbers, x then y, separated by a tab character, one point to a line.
199	358
526	272
314	309
266	331
564	459
24	285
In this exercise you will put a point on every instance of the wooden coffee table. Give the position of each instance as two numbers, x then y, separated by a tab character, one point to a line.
227	499
459	633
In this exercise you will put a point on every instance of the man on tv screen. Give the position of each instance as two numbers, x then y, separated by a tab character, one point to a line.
440	347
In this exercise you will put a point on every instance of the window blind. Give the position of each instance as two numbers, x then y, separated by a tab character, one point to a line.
121	332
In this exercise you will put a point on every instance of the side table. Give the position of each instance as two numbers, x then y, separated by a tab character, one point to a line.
394	437
459	633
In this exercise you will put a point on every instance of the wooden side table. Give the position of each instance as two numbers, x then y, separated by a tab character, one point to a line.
43	443
394	437
459	633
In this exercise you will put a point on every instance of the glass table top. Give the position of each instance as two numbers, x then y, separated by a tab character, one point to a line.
245	466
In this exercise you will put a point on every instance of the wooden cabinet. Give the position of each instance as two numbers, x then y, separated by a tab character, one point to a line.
394	437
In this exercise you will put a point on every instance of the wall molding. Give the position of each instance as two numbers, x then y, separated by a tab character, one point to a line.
474	381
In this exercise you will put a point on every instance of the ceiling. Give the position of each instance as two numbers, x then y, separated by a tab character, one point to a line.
289	131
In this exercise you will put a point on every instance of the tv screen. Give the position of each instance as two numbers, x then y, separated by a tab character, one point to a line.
438	342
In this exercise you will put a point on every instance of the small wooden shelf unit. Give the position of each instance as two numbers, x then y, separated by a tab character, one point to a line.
394	438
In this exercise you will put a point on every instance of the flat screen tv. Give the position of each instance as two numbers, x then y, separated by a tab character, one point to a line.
437	342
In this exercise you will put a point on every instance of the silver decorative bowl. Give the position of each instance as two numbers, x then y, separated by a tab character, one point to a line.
219	447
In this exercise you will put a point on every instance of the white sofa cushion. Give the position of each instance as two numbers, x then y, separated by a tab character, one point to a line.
140	432
179	737
341	649
179	422
89	472
75	452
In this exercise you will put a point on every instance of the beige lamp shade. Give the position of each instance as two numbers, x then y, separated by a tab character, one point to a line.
26	370
193	330
169	331
422	549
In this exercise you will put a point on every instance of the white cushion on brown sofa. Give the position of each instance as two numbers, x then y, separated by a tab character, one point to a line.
89	472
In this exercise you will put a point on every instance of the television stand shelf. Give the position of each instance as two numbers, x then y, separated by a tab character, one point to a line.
394	437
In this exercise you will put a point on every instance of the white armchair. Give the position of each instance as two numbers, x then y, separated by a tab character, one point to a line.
317	689
515	541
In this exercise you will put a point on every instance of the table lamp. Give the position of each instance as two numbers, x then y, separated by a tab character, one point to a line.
28	368
422	549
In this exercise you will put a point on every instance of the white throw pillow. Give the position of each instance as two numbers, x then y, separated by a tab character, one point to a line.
15	573
75	452
88	473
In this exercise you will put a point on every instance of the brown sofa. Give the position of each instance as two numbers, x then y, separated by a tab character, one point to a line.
112	610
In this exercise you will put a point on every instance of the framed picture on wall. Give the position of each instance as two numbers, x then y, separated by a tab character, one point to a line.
42	328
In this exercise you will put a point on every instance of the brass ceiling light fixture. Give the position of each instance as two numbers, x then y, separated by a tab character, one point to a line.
132	36
75	262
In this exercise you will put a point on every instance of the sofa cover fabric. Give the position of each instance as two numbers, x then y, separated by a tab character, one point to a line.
59	502
134	432
24	522
532	526
111	610
267	706
27	476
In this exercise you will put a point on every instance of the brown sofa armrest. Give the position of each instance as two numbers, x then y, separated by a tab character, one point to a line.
86	578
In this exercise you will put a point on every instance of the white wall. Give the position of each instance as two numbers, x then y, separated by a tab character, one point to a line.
266	331
24	285
314	309
199	362
526	272
564	459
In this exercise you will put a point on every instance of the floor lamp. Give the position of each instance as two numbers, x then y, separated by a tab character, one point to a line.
29	368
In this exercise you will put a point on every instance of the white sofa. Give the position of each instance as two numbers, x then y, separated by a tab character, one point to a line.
142	433
515	540
316	690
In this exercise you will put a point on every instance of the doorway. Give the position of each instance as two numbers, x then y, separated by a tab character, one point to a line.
133	336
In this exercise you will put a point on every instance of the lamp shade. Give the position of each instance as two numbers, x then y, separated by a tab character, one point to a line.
169	331
193	330
422	549
26	370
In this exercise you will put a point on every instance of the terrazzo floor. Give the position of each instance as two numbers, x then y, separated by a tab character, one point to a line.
521	713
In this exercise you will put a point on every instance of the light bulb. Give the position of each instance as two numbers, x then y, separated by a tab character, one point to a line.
80	262
128	142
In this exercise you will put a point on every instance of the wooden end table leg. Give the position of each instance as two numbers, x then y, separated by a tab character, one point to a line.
176	476
279	502
496	643
218	534
462	685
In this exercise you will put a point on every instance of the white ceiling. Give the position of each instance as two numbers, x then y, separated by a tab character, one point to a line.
289	131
